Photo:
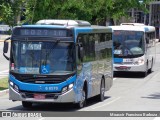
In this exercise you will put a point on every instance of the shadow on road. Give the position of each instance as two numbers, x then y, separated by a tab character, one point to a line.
47	107
130	74
56	107
153	96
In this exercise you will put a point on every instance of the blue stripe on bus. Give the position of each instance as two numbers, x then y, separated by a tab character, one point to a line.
41	87
118	60
81	30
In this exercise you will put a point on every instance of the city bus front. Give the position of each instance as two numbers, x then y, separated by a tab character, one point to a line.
42	65
129	51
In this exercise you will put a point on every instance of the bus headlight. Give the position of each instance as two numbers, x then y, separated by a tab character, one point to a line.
70	86
66	88
14	86
140	61
11	83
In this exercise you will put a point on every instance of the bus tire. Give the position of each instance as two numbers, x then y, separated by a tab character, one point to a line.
114	73
26	104
150	70
145	73
82	103
102	90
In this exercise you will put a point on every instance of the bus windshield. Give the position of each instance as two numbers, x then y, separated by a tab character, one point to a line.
43	57
128	43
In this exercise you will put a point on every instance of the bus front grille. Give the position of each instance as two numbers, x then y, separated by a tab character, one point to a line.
41	79
26	94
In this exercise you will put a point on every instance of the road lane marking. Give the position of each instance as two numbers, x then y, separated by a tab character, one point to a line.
41	118
107	103
156	118
114	79
4	71
3	75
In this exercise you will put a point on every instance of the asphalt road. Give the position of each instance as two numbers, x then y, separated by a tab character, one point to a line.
130	92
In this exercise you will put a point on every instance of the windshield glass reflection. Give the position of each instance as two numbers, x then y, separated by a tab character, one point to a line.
128	43
43	57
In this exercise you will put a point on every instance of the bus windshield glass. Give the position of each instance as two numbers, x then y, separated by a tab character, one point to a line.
128	43
49	58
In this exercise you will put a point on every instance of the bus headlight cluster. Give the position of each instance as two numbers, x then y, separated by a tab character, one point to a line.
66	88
139	61
14	86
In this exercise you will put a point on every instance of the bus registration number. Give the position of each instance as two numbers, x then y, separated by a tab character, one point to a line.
39	96
127	60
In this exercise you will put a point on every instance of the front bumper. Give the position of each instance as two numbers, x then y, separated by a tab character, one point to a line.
66	97
129	68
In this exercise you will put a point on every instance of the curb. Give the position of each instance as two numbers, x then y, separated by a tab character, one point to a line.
4	92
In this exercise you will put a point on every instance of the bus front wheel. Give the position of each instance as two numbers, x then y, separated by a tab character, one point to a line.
26	104
150	70
145	73
82	103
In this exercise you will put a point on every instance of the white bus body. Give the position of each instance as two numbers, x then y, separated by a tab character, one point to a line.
134	47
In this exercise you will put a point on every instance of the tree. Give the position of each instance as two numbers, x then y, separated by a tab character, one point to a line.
121	7
10	10
94	11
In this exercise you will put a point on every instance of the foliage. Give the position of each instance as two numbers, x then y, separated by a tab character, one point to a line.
95	11
3	83
10	9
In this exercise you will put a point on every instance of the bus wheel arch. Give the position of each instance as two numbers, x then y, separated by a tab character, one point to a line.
82	102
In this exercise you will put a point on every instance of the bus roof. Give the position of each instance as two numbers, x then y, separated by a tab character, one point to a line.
78	25
133	27
81	23
92	27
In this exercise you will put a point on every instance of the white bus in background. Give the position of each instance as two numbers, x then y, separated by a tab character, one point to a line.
134	48
4	31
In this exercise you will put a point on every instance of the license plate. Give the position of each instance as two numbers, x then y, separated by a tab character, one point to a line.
127	60
39	96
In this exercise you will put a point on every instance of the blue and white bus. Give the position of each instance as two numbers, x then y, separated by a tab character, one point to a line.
59	61
134	47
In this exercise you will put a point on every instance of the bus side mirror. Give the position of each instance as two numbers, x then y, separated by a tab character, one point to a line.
5	48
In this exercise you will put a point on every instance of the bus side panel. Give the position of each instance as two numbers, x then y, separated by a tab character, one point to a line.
104	54
83	75
151	49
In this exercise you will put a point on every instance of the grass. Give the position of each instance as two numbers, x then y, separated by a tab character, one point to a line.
3	83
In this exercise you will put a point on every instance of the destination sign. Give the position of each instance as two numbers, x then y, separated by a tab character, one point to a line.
41	32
